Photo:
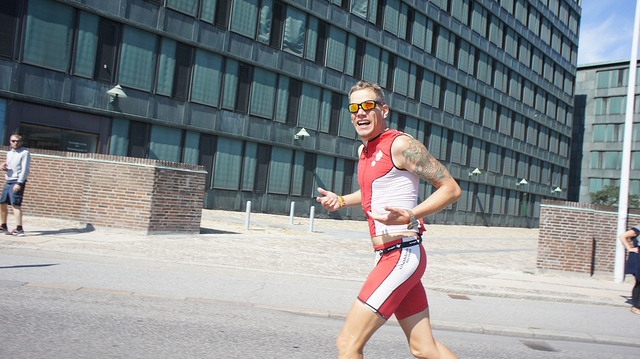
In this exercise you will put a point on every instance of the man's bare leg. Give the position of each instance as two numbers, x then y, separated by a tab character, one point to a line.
4	212
360	325
17	213
417	328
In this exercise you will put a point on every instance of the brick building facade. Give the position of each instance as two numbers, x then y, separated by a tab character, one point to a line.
142	195
578	237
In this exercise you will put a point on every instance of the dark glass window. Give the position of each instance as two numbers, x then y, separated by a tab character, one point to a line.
223	7
182	71
262	168
138	140
347	184
277	25
8	23
359	61
58	139
345	5
309	174
244	88
410	22
336	113
418	89
382	4
295	89
391	71
427	134
447	156
206	153
106	52
402	122
321	45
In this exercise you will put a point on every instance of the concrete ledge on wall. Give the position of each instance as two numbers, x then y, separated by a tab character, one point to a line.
141	195
564	273
578	238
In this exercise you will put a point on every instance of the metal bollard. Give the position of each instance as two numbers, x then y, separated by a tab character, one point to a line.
312	214
293	208
248	216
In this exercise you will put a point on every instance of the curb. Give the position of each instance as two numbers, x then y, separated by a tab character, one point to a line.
528	333
527	296
533	333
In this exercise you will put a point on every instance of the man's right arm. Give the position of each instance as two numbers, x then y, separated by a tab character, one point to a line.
626	237
332	202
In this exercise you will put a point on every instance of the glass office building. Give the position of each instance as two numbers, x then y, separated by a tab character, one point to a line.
598	132
484	84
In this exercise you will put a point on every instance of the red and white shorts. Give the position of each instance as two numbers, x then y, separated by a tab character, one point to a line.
394	286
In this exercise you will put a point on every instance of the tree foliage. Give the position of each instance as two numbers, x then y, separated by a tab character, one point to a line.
610	195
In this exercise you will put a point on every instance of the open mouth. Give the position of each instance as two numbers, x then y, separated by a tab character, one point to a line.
363	122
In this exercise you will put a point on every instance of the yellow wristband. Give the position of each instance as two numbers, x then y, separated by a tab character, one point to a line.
341	201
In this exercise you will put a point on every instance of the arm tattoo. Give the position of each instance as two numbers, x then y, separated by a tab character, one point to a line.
426	166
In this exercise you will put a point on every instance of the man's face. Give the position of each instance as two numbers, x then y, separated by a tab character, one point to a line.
16	142
371	123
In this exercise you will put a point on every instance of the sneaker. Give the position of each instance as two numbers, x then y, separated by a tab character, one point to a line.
4	230
16	232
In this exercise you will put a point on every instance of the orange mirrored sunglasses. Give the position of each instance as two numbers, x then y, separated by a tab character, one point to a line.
366	105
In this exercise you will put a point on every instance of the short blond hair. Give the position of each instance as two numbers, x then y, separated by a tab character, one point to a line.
366	85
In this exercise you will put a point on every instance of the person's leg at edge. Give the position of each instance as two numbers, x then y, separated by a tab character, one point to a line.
635	294
4	212
417	328
17	213
5	199
359	326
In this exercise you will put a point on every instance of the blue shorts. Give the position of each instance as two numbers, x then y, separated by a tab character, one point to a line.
10	197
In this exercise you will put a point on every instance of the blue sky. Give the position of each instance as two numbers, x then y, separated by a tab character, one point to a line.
606	30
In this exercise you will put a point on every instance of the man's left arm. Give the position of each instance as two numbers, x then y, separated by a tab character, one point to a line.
26	167
25	163
411	155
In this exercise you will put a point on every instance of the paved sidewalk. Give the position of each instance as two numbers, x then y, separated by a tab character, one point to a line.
464	261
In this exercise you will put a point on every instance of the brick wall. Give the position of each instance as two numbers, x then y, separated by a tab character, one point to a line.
143	195
578	237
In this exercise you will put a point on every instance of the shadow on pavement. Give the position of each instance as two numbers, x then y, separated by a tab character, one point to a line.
88	228
30	266
215	231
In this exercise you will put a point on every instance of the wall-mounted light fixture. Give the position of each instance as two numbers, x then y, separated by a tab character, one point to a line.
474	172
301	134
556	190
523	181
115	92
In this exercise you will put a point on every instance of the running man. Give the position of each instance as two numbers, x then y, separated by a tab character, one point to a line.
389	170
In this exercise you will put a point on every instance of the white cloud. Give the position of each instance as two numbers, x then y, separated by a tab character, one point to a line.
605	41
606	32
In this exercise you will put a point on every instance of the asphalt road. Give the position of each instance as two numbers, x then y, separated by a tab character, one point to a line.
282	293
41	322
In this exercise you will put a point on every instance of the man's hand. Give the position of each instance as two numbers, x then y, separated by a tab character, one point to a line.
395	216
330	200
16	188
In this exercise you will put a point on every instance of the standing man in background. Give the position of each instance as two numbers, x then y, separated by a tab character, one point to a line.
16	171
390	167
